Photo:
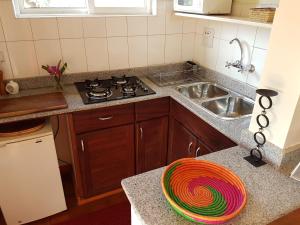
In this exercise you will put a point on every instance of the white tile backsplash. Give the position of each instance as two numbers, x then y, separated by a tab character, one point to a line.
73	52
189	25
258	60
70	27
5	66
96	54
137	25
116	26
262	38
156	49
247	34
44	29
14	29
137	51
118	52
23	59
188	43
1	32
156	24
107	43
173	48
228	31
94	27
173	24
48	52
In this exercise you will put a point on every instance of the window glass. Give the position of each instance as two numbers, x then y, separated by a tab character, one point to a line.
29	4
119	3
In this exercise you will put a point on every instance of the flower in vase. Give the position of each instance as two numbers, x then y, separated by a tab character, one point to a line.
57	72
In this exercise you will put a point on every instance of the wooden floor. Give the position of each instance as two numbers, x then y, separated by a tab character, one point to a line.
75	211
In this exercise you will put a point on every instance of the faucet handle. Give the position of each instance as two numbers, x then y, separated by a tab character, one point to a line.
228	64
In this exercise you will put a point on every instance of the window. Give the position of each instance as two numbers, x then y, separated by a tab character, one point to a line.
60	8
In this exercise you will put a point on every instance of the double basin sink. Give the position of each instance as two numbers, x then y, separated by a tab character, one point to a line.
217	100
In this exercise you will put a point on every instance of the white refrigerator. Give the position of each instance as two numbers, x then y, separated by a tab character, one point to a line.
30	182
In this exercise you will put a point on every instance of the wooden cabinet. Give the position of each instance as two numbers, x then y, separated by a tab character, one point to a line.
152	118
182	142
106	157
112	143
189	136
151	144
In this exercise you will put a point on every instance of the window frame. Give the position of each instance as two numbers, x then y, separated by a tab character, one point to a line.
89	11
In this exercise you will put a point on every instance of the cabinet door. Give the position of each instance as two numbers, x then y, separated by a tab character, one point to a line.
106	157
152	144
182	142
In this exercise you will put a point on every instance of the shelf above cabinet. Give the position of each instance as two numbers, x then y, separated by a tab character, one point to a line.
228	19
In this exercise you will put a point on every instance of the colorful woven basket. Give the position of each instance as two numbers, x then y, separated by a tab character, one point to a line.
202	191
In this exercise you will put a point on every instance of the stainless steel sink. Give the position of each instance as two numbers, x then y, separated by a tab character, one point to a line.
201	91
230	107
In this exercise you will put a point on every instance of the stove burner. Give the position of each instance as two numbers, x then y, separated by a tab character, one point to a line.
129	89
92	83
99	93
119	80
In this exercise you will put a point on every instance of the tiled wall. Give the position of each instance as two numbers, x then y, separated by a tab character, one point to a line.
94	44
255	43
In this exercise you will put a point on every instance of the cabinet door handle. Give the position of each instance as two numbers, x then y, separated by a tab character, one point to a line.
82	145
105	118
197	151
190	147
142	132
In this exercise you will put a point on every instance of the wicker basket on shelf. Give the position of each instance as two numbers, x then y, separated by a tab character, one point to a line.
265	15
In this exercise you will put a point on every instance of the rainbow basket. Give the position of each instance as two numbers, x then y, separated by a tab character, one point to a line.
202	191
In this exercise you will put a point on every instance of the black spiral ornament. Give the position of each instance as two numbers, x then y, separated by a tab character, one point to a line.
263	122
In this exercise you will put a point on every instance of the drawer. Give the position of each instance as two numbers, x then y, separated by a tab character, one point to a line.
90	120
153	108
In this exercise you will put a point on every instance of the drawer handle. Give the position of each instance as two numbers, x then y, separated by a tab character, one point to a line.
105	118
189	148
82	145
141	130
197	151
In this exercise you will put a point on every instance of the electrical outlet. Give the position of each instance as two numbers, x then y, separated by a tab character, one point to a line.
2	59
208	37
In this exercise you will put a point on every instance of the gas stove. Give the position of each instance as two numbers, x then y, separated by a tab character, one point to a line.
96	91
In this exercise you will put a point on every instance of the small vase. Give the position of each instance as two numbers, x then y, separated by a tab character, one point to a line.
59	86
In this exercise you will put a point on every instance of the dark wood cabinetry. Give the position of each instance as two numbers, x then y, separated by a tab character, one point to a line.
112	143
190	136
151	144
151	134
106	157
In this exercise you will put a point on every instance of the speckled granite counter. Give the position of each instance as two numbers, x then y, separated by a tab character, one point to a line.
231	128
270	193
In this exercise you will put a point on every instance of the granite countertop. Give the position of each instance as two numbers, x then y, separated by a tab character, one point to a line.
231	128
270	193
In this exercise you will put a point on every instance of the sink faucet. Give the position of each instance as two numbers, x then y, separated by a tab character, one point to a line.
240	63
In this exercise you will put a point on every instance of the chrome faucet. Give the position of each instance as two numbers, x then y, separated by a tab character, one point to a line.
239	64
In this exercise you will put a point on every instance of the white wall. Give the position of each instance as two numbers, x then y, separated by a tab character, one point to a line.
93	44
282	73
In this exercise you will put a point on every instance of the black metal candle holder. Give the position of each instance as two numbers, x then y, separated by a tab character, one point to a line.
255	157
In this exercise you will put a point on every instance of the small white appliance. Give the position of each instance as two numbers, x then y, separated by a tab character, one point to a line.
203	6
30	182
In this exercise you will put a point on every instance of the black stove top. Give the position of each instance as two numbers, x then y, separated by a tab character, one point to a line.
95	91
